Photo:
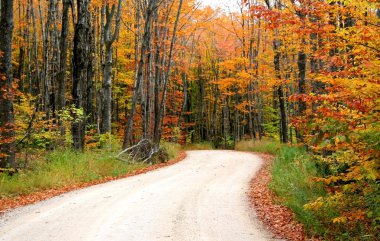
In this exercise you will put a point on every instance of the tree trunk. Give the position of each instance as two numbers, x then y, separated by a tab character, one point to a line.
105	124
61	100
280	93
140	72
36	81
185	97
80	69
301	89
283	115
7	152
21	57
161	113
109	39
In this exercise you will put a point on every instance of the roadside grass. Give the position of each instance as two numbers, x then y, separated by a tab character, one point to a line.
65	167
292	171
173	149
62	168
266	146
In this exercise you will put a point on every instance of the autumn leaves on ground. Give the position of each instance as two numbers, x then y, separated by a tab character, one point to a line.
81	81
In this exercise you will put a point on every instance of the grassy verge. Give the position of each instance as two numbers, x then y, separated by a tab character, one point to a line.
292	172
64	168
173	149
199	146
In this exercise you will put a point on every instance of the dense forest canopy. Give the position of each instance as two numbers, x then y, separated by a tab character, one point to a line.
77	72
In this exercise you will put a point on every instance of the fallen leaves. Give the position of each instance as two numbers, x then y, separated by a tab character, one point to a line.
279	219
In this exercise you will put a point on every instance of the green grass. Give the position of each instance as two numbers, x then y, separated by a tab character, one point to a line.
292	173
64	167
264	146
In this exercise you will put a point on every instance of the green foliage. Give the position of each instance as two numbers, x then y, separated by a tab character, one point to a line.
272	122
176	133
72	114
228	142
107	141
63	168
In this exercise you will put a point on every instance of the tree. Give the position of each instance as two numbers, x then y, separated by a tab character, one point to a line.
108	38
7	134
62	76
81	66
151	8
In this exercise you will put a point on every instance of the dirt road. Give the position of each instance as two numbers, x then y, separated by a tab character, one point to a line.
201	198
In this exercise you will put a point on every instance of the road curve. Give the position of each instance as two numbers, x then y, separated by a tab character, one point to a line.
204	197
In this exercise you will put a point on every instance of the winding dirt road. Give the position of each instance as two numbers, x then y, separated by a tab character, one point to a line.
201	198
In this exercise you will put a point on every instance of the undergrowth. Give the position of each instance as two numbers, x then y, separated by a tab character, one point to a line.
267	146
199	146
172	149
318	205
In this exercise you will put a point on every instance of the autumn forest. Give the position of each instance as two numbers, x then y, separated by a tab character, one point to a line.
78	74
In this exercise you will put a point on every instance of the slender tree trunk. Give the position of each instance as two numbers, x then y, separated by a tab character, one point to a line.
21	57
29	51
105	124
301	89
109	39
258	96
152	5
159	122
54	67
185	98
250	94
7	145
302	59
61	99
226	125
36	80
280	93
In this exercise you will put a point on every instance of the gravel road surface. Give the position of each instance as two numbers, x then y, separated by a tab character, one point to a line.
203	198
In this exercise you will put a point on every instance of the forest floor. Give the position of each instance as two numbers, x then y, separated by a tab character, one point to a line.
203	196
